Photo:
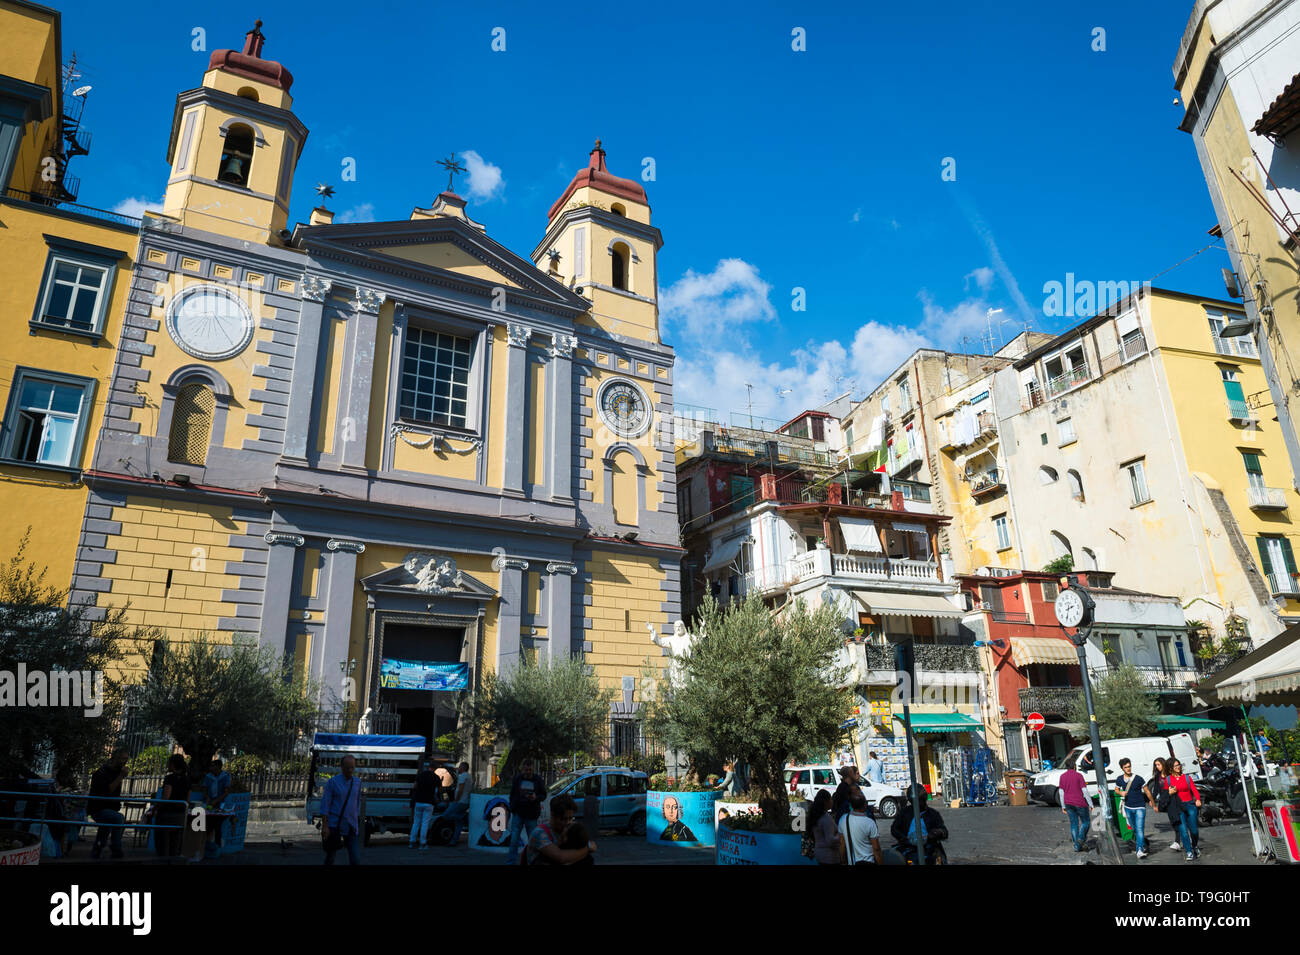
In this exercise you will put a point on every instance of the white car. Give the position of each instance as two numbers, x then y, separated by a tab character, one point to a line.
1141	751
809	780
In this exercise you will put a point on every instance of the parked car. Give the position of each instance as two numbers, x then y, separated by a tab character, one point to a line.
621	792
808	780
1142	750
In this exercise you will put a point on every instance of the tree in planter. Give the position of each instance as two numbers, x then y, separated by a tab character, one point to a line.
542	710
1061	565
1123	703
214	697
758	689
42	632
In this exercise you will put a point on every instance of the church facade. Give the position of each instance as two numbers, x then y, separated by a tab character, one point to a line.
383	448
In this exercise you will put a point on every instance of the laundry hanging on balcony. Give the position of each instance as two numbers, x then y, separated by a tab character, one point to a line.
876	437
860	536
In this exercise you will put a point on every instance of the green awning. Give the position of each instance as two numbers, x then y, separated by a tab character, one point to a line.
944	723
1175	724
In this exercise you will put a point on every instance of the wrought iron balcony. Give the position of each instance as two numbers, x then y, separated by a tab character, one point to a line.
1281	584
1171	678
929	656
1267	498
1048	700
1073	378
1239	411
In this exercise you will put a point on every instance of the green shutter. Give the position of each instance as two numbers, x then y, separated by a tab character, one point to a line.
1262	543
1252	463
1288	556
1233	389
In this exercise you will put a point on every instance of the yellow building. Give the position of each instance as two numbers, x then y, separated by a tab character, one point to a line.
1237	76
67	274
380	446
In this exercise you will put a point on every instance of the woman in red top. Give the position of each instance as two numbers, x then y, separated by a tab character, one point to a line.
1183	788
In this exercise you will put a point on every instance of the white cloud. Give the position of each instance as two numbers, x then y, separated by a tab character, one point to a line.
702	306
362	213
857	215
137	206
983	277
485	181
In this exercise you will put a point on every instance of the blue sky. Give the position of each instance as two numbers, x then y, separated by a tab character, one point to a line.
774	169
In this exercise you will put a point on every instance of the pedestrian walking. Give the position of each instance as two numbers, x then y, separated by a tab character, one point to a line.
875	769
216	784
424	793
340	809
104	805
1182	788
1158	784
1136	797
527	792
1075	805
859	837
826	837
840	801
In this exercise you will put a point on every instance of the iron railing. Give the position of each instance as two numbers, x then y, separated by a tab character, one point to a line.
1054	700
51	201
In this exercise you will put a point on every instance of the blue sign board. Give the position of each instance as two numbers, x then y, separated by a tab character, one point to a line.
738	847
422	675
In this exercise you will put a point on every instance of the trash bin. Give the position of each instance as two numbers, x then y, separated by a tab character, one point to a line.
1017	787
1121	818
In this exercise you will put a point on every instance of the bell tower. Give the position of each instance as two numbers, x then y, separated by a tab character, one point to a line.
599	238
234	145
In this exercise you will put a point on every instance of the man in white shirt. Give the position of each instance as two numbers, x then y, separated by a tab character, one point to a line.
859	837
875	770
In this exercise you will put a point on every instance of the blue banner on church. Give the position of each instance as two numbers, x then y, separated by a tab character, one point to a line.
422	675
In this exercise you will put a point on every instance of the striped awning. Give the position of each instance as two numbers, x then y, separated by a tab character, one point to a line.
1268	674
1027	650
906	605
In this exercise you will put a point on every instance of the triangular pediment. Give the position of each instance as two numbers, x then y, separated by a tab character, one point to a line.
424	573
442	244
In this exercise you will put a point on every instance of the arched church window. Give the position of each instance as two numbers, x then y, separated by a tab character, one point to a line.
237	156
191	425
618	259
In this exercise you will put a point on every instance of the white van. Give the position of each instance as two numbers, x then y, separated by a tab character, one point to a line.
1141	750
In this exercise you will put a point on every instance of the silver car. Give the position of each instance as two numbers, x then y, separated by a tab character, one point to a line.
620	791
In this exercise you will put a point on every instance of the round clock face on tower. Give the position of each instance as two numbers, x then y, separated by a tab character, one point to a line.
624	408
208	321
1069	608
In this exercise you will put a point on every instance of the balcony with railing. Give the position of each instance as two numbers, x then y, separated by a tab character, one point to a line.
1048	700
1167	679
1283	585
984	483
848	568
906	457
1238	410
1267	498
930	657
57	200
1067	381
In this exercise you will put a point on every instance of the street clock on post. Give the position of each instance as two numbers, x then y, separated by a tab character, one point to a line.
1074	609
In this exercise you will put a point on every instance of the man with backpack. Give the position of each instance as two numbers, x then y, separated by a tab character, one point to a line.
859	837
931	829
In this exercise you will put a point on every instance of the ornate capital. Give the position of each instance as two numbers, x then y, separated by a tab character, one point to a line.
518	334
352	547
273	537
502	562
562	346
368	300
561	567
315	288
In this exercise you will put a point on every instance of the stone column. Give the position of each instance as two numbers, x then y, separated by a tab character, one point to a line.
311	326
561	413
510	610
559	620
516	408
279	587
358	372
340	587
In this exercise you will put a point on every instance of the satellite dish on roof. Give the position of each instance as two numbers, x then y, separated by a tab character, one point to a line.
82	90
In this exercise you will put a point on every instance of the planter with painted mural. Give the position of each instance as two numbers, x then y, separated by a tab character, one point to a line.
489	821
681	818
749	847
19	848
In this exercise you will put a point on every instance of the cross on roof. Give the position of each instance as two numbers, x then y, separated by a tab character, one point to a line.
452	167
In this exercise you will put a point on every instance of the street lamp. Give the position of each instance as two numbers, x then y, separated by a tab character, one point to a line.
1074	611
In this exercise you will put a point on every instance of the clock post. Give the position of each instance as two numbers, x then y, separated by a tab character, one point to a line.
1074	611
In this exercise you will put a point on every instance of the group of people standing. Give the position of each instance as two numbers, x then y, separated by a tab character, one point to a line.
843	826
1168	789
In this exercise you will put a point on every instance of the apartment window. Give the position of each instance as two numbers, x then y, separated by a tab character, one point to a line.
1242	345
1132	344
1076	484
1051	590
848	439
1003	531
1254	471
904	394
45	424
1047	475
75	288
1137	481
1065	431
191	425
435	378
1237	407
1278	562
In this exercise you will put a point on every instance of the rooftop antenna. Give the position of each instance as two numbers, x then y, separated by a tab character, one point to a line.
988	319
750	389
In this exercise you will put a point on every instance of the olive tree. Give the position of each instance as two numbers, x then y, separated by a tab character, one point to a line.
1124	704
757	688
